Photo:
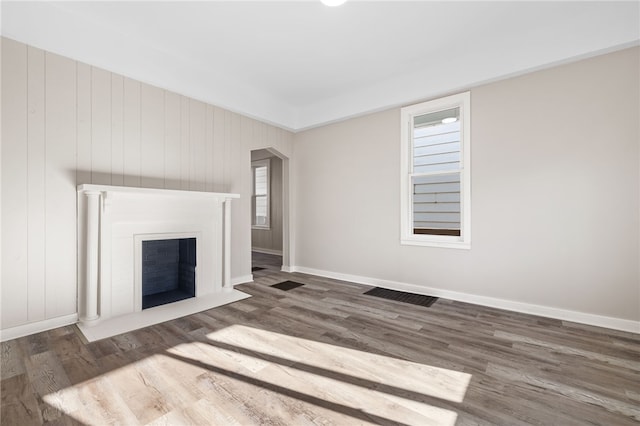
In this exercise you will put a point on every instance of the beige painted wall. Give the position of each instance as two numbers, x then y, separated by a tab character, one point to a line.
555	184
65	123
270	239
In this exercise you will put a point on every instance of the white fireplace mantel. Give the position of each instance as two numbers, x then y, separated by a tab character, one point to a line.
155	192
111	222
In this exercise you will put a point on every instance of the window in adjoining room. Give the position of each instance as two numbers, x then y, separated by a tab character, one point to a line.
435	173
260	197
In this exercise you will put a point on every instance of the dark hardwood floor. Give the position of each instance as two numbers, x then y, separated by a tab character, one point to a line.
264	261
324	353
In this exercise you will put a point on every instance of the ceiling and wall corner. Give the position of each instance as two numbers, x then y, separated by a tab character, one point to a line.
300	64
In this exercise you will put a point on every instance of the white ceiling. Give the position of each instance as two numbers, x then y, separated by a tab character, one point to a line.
300	64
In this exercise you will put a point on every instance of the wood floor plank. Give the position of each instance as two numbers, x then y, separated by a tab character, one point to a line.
325	353
141	397
19	402
620	359
53	388
11	359
600	409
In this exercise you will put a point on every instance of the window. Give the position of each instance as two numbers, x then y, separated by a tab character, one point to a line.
435	168
260	198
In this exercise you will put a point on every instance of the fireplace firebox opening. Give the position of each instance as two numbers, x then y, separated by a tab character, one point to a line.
168	271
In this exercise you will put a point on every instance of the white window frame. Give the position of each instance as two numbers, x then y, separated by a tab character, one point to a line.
407	236
254	165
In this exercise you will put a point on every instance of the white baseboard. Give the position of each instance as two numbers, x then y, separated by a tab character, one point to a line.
241	280
561	314
266	251
509	305
37	327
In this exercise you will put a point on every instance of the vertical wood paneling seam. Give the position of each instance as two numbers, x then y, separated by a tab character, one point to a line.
111	144
189	148
91	121
77	121
122	129
180	138
111	127
189	145
27	179
86	141
204	147
75	228
164	138
140	90
214	150
140	135
224	151
181	142
44	119
76	182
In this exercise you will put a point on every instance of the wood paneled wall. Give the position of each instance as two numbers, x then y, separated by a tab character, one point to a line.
66	123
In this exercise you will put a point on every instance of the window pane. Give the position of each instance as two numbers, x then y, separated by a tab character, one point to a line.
439	167
261	210
436	141
436	118
260	184
436	204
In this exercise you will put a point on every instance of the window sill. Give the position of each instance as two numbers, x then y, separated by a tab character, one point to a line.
463	245
261	228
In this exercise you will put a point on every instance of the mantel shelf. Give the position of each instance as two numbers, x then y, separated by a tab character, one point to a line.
154	191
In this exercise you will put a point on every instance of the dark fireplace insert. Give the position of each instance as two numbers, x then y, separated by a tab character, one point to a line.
168	271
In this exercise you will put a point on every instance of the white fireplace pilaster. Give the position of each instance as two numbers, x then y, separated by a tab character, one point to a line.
226	251
92	250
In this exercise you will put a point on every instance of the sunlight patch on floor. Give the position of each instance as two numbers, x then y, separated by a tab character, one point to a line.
247	375
437	382
384	387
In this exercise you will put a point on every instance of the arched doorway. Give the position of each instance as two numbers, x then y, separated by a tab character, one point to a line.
270	248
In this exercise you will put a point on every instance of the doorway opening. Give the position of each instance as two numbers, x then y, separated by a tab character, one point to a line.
269	211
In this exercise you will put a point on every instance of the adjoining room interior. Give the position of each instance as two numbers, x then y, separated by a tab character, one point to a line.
255	213
267	211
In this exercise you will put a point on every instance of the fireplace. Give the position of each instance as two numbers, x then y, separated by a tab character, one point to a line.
150	255
168	271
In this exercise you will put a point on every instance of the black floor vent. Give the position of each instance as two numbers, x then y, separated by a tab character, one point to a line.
287	285
401	296
256	268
